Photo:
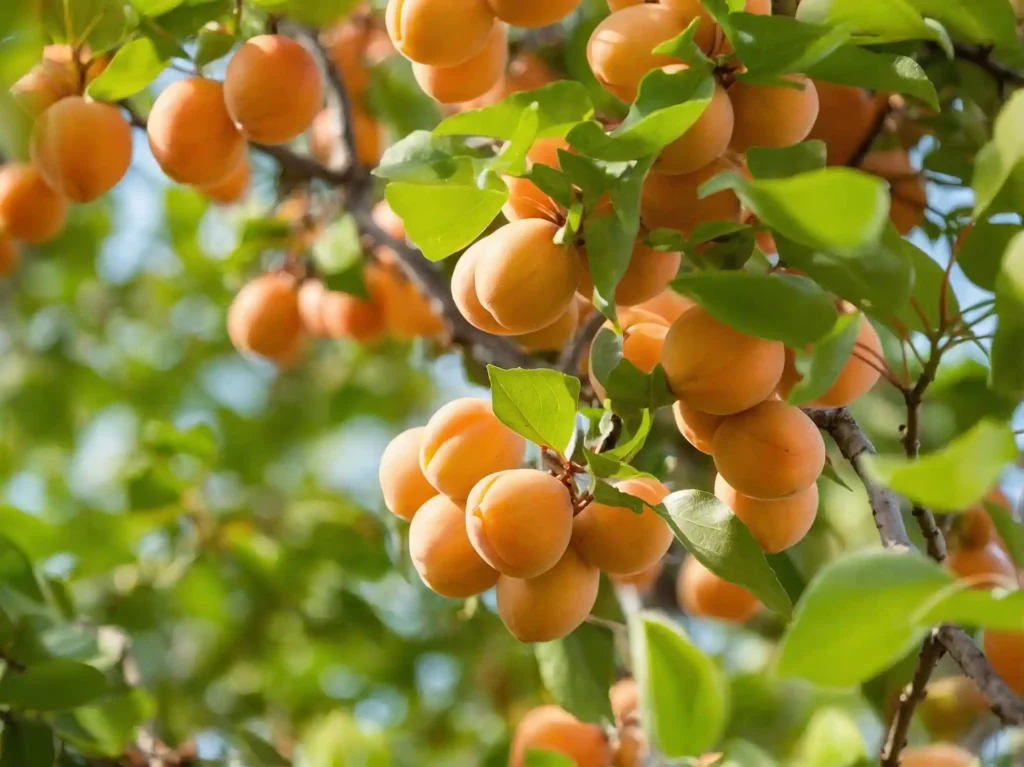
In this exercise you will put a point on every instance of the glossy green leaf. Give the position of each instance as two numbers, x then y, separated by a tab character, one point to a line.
822	365
421	157
832	739
975	21
578	670
113	722
512	159
684	47
624	383
609	495
782	162
16	570
56	685
740	753
155	7
999	158
956	477
1010	530
603	467
539	404
881	20
1007	360
100	23
980	252
850	65
722	543
27	744
775	45
560	105
213	44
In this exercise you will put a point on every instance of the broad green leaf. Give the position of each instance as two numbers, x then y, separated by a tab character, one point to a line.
1010	530
423	158
781	307
189	17
539	404
604	467
56	685
740	753
338	255
976	21
929	277
955	478
682	691
624	383
539	758
722	543
263	753
999	158
512	158
560	105
198	440
782	162
775	45
213	44
635	433
26	744
578	671
155	7
822	365
803	207
16	570
880	20
554	183
850	65
1007	360
153	486
113	722
133	68
100	23
684	47
609	495
980	252
832	739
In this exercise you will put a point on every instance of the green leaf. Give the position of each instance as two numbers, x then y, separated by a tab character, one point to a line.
980	253
803	207
722	543
781	307
1007	360
185	20
578	671
56	685
999	158
821	367
634	436
609	495
776	45
213	44
26	744
113	722
155	7
879	20
682	691
560	105
782	162
262	752
198	440
740	753
876	70
830	473
624	383
16	570
100	23
832	739
338	255
554	183
538	758
929	277
684	48
539	404
512	158
442	219
1010	530
604	467
956	477
153	486
976	21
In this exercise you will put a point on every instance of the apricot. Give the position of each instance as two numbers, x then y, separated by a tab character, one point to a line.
618	5
465	442
58	140
346	42
264	317
938	755
402	483
470	79
407	313
9	255
952	705
625	700
617	540
776	525
643	580
703	594
292	354
533	13
554	337
30	210
906	186
642	344
310	298
389	221
518	279
708	34
668	304
1005	651
441	552
771	451
846	117
854	380
441	33
706	139
366	133
527	71
648	274
672	202
233	187
550	728
631	749
975	527
772	115
348	316
272	89
191	134
715	368
44	85
984	567
552	605
696	426
620	50
525	199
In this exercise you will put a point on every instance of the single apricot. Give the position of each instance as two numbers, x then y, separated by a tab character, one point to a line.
703	594
672	202
952	705
625	700
292	354
906	186
30	210
620	50
533	13
525	199
648	274
776	525
643	580
772	115
642	344
346	43
465	442
520	520
975	528
470	79
857	376
58	139
442	554
389	221
310	298
985	567
619	541
706	139
708	34
846	117
272	89
233	187
348	316
938	755
1005	651
520	278
191	134
44	85
550	728
407	313
668	304
264	317
527	71
631	748
696	426
9	255
771	451
552	605
402	483
554	337
441	33
715	368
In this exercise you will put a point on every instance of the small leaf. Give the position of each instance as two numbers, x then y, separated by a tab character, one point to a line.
624	383
26	744
56	685
782	162
560	105
512	159
213	44
554	183
539	404
1010	530
338	255
822	366
980	253
542	758
604	467
153	486
830	473
956	477
880	20
999	158
684	48
16	570
609	495
135	65
1007	360
155	7
197	440
876	70
780	44
578	671
261	752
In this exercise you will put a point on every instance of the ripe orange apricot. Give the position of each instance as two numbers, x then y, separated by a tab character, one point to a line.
272	89
442	554
402	483
776	525
516	280
985	567
906	186
706	139
642	344
527	71
348	316
369	138
554	337
696	426
771	451
668	304
346	43
533	13
938	755
233	187
44	85
552	605
1005	651
846	115
708	34
470	79
191	134
550	728
975	528
620	48
30	210
525	199
441	34
389	221
648	274
672	202
703	594
631	749
310	298
264	317
643	580
772	115
465	442
715	368
520	520
9	256
58	139
407	313
618	541
625	700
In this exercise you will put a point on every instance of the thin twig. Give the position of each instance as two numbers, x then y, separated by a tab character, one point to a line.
982	57
871	136
569	363
931	653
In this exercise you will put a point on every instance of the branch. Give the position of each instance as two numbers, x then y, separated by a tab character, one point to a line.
982	57
931	653
573	354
